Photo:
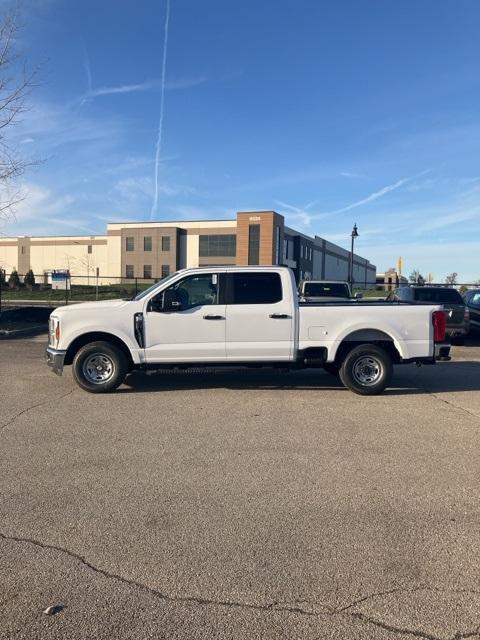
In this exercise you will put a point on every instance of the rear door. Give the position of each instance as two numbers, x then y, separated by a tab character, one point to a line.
260	316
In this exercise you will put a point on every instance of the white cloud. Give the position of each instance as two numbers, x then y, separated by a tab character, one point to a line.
351	174
42	212
132	188
370	198
306	216
185	83
439	222
126	88
438	258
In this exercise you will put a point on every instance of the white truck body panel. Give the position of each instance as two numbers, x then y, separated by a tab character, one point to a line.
327	325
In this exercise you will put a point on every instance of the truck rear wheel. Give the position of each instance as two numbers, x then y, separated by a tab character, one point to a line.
99	367
367	370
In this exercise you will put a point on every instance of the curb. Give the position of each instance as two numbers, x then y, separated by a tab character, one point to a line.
11	334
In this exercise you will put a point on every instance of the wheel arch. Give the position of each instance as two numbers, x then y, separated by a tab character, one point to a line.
96	336
377	337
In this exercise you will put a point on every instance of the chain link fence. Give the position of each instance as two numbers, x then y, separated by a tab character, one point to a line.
62	288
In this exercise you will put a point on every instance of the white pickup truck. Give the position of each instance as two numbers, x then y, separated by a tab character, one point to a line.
241	316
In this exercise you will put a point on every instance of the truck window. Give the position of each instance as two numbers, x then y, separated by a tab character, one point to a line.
325	290
254	288
438	296
197	290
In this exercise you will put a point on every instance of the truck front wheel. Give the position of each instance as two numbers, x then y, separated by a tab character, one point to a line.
367	370
99	367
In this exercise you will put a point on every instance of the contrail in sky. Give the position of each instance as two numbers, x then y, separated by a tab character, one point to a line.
160	120
86	66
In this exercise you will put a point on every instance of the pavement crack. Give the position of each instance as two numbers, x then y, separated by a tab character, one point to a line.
273	606
448	402
399	630
379	594
33	406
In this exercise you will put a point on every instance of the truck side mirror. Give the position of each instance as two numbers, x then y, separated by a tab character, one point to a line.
358	296
171	301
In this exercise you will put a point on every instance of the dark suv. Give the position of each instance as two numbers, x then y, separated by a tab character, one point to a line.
458	316
472	300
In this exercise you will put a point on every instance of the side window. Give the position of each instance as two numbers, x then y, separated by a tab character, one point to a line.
254	288
197	290
475	300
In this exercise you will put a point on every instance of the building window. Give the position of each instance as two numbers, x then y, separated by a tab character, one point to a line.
130	244
165	243
165	270
147	243
218	245
89	248
254	244
23	250
254	288
129	272
147	271
285	248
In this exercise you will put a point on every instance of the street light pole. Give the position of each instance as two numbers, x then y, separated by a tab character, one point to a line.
354	235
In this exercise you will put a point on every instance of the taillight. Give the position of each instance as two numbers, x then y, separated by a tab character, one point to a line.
439	320
466	315
57	332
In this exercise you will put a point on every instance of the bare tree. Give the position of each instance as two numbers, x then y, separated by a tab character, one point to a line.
15	86
451	278
416	277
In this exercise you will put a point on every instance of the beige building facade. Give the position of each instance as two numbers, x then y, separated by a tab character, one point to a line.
153	250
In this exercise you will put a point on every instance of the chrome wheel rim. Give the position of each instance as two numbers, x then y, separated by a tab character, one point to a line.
367	370
98	368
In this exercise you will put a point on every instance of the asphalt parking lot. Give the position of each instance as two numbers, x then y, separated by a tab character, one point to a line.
239	505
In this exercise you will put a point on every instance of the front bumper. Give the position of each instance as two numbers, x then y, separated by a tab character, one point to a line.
55	360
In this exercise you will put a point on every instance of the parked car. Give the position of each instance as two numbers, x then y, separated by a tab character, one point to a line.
241	316
325	290
458	316
472	300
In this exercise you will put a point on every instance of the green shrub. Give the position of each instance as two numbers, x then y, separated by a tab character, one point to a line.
29	279
14	280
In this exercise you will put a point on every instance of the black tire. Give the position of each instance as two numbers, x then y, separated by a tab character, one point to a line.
367	370
103	361
332	368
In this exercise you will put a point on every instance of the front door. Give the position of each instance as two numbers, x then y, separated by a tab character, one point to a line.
194	331
260	316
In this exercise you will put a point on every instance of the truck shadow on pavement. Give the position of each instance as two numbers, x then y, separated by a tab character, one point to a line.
407	380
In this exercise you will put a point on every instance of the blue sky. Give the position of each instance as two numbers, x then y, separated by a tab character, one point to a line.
328	112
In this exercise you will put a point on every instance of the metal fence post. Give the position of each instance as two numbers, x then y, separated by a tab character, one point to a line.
136	286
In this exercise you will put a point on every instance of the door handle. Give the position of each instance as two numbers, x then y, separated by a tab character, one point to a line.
213	317
279	316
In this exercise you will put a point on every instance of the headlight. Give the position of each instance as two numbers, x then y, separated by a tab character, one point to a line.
53	331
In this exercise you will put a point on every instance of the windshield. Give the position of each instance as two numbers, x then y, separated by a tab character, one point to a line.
325	290
145	292
438	296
